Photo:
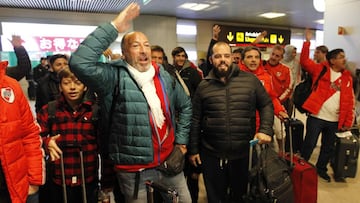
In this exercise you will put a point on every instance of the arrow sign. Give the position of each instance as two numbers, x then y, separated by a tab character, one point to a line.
230	36
281	39
243	36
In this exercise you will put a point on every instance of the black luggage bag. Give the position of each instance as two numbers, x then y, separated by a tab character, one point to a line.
297	129
269	178
345	159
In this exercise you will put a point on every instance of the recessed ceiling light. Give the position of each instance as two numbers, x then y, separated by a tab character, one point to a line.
272	15
194	6
320	21
319	5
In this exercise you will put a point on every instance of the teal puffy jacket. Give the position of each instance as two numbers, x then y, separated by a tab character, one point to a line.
130	134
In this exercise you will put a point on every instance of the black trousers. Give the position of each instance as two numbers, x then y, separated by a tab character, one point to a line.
4	196
74	194
225	180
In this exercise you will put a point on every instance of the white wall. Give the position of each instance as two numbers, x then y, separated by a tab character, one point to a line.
160	30
343	13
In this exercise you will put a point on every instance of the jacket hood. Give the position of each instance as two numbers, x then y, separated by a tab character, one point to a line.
288	52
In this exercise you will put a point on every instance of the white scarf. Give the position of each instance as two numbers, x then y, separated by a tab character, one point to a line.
146	83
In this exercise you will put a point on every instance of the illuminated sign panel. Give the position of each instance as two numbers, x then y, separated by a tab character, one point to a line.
58	43
244	36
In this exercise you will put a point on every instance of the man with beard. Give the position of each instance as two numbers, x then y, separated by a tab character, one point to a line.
223	123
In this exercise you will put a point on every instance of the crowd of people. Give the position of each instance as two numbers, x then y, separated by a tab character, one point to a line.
125	117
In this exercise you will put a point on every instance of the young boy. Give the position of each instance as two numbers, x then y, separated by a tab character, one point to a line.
69	130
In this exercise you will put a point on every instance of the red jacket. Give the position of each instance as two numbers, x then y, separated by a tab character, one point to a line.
324	91
21	154
281	80
266	80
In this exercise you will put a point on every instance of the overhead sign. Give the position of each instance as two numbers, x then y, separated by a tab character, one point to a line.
58	43
244	36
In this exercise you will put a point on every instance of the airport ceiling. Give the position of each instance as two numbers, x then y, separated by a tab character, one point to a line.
299	13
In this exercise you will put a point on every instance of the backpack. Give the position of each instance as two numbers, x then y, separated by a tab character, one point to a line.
304	89
269	179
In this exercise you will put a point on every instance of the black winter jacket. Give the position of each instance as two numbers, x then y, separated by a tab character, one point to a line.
223	120
47	90
23	67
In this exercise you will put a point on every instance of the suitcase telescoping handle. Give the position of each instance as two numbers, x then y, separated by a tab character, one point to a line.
63	177
287	121
251	150
71	146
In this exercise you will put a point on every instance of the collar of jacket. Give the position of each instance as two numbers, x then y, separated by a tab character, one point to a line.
259	70
187	64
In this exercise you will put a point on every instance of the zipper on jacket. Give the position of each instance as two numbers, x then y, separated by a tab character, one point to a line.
152	121
228	117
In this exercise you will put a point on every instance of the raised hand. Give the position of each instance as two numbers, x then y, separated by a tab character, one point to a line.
308	35
16	41
216	30
122	21
260	37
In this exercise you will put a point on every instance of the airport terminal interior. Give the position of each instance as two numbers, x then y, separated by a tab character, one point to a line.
49	27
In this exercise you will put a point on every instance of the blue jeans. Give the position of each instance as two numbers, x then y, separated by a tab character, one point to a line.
127	185
315	126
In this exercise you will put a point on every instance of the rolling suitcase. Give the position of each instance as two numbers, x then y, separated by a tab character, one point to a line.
346	155
82	172
297	132
152	186
297	128
304	176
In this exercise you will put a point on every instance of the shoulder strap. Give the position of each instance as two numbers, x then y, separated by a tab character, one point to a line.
323	71
95	109
186	89
51	115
